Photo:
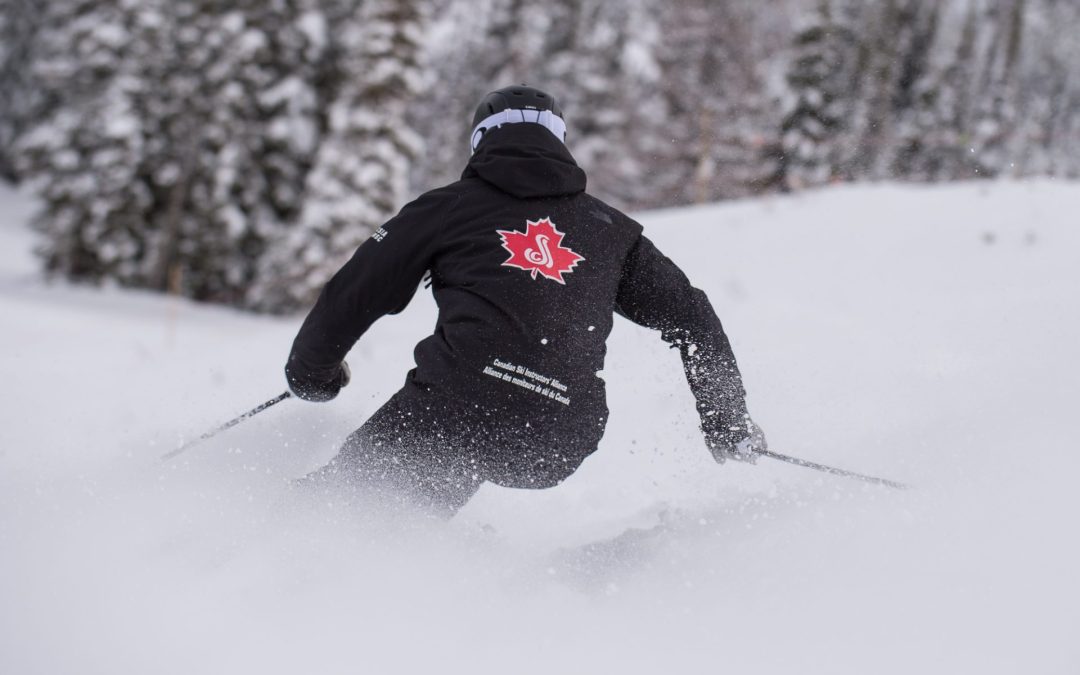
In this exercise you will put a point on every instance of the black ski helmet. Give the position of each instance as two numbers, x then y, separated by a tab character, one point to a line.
522	97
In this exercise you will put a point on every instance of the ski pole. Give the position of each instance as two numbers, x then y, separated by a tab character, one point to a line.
834	471
231	423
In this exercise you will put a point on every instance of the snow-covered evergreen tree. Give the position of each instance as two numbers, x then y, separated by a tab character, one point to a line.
1046	140
23	100
475	46
717	60
824	79
934	142
995	112
917	125
181	142
600	61
84	158
931	94
236	127
360	173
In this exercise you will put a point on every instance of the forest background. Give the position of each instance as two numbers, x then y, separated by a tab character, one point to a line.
238	152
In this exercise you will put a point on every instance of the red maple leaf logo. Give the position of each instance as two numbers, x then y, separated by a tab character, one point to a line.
539	249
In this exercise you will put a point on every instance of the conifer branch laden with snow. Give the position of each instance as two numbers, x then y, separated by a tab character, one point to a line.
360	173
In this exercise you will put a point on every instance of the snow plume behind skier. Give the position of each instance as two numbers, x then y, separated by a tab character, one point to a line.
527	270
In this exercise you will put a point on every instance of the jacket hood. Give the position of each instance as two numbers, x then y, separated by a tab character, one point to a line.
525	161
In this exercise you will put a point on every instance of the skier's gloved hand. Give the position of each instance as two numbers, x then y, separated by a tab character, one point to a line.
740	442
315	385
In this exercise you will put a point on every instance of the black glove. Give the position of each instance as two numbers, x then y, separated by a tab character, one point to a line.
741	442
316	386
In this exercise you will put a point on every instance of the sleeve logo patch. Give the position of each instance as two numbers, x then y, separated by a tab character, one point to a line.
539	250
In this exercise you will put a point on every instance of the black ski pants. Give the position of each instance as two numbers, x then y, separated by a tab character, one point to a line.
432	451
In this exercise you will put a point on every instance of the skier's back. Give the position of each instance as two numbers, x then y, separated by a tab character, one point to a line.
527	270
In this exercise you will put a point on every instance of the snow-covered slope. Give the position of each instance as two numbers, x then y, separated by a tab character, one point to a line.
924	334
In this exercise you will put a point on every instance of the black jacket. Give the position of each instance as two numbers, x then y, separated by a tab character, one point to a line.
527	270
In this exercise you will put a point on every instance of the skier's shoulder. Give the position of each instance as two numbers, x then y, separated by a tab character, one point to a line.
446	196
600	210
433	207
441	197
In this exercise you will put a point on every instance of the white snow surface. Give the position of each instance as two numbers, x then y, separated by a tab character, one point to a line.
926	334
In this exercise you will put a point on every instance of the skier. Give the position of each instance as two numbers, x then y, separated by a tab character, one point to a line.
527	270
